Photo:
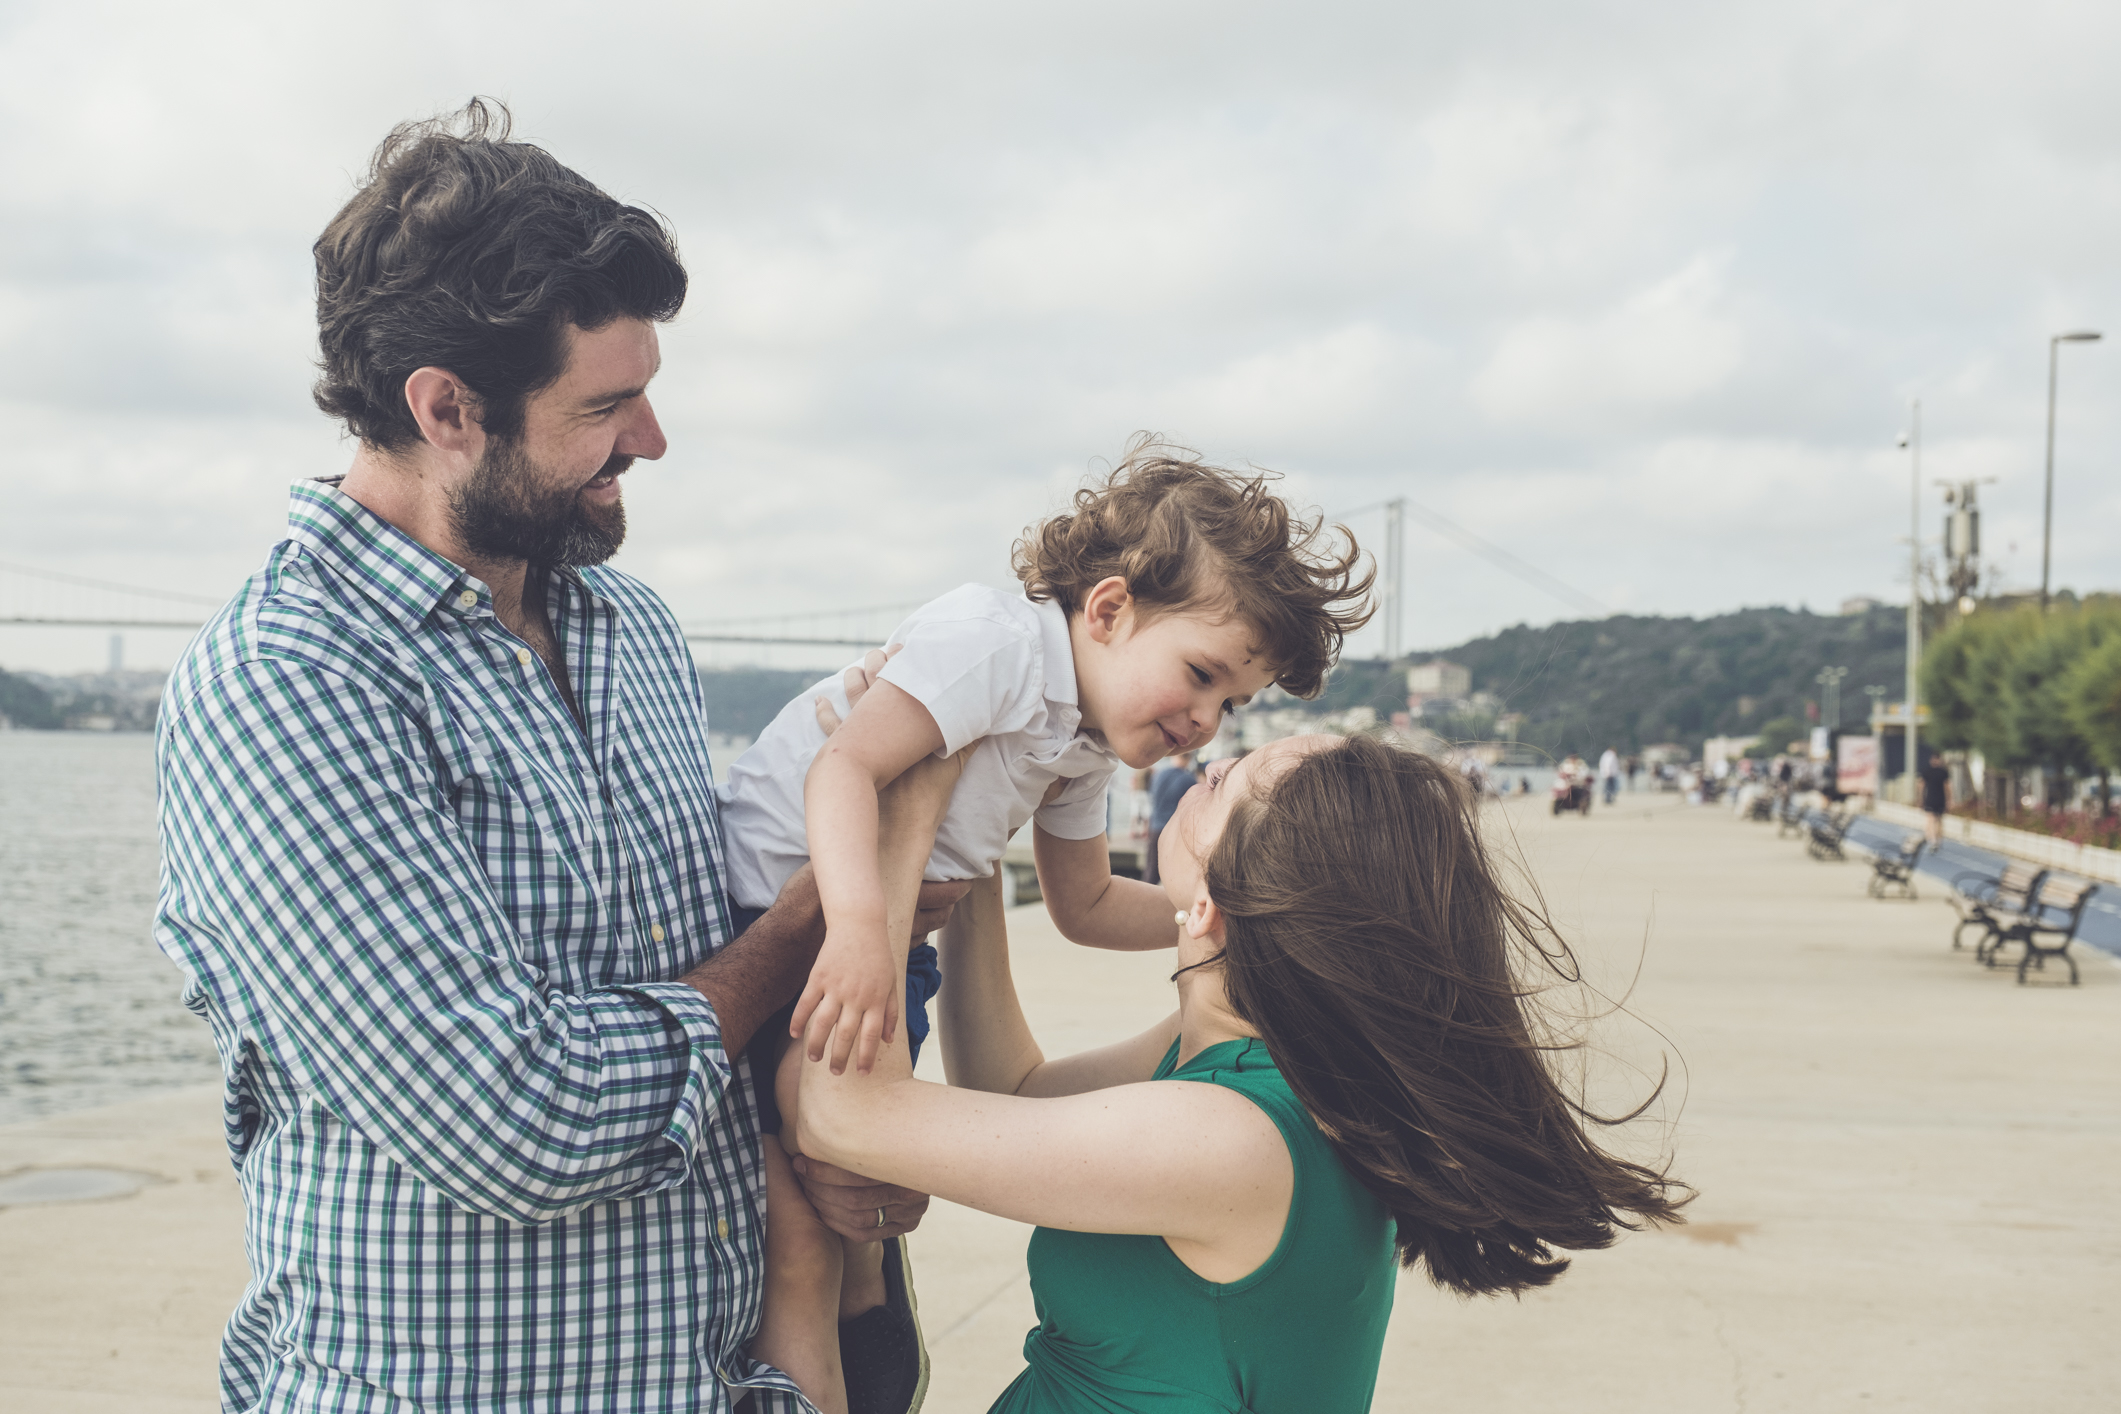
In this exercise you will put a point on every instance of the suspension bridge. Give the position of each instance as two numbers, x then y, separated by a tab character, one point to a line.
32	596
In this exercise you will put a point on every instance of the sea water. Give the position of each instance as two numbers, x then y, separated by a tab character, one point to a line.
89	1009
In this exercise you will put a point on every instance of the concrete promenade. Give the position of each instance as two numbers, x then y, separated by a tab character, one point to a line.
1910	1172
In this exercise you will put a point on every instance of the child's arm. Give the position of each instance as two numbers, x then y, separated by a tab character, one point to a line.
1092	907
852	998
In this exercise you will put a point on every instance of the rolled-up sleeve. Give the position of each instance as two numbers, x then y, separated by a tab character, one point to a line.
309	845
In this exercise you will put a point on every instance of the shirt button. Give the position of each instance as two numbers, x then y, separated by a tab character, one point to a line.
721	1228
468	598
523	656
656	932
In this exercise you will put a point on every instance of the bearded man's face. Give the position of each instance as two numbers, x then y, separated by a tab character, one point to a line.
510	508
549	494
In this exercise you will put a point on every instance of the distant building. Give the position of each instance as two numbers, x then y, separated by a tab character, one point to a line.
1438	678
1861	604
1726	748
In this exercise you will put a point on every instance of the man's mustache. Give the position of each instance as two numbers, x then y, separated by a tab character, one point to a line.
615	467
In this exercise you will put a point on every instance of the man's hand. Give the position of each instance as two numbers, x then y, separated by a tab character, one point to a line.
850	1204
932	911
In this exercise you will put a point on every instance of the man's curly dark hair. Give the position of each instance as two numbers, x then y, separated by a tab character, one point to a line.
466	251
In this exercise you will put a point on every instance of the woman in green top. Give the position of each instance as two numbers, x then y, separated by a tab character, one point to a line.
1351	1082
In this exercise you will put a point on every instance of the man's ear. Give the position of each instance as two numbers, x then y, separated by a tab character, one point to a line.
1104	608
446	410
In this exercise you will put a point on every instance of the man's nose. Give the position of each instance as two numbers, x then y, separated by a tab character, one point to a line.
643	437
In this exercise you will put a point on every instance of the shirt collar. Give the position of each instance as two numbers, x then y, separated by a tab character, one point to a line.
405	578
1059	651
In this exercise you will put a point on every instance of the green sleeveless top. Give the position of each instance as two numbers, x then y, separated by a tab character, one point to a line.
1124	1327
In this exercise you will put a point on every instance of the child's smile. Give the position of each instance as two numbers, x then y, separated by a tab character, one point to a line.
1155	689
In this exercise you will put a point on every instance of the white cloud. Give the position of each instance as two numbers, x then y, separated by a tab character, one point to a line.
1662	345
1640	291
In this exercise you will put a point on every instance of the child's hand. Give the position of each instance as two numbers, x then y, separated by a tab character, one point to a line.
851	1001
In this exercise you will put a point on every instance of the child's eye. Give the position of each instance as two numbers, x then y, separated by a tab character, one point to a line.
1229	707
1200	675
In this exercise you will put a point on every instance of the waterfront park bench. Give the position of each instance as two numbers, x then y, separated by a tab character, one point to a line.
1824	832
1895	869
1992	905
2048	927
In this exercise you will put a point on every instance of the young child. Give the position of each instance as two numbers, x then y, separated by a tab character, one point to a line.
1168	597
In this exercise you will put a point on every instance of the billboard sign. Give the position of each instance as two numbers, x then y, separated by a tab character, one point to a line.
1856	766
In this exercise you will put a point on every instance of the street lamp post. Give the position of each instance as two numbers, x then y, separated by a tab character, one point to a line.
1913	442
2047	517
1829	679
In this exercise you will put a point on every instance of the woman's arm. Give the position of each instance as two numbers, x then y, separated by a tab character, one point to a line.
987	1044
1198	1165
1093	907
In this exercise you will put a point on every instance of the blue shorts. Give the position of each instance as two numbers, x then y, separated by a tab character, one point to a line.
924	978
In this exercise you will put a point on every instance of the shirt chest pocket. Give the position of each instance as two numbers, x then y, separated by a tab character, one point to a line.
536	837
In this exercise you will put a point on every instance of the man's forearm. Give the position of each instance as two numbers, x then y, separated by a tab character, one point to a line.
761	971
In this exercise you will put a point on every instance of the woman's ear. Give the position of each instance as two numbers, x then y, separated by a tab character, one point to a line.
1104	607
1204	919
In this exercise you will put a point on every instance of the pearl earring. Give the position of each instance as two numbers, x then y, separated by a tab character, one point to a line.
1183	918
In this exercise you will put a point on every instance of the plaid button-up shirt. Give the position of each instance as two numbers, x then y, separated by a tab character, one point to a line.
492	1156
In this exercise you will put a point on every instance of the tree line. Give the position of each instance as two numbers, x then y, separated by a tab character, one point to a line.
2032	691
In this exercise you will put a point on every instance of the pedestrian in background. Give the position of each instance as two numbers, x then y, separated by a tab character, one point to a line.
1936	795
1609	773
1167	787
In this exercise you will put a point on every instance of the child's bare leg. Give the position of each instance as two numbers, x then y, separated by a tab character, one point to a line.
862	1277
799	1332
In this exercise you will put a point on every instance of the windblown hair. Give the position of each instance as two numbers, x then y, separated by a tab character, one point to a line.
1370	943
466	251
1184	534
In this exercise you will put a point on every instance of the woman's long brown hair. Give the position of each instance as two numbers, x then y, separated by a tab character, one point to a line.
1371	944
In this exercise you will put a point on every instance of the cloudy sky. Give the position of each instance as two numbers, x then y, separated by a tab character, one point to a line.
1638	291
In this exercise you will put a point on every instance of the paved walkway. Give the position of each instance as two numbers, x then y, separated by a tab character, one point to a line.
1907	1170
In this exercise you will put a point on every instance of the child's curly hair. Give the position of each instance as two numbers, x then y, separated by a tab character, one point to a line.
1185	534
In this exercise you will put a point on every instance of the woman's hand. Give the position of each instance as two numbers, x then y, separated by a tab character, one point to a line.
852	1205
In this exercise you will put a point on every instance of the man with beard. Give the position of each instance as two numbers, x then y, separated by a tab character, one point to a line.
441	861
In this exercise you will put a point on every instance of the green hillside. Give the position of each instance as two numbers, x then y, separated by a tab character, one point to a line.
24	703
1624	682
741	701
1630	681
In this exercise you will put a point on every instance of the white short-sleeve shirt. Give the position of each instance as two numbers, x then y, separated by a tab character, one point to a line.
990	667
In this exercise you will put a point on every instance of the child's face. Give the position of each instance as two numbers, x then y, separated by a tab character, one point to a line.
1155	689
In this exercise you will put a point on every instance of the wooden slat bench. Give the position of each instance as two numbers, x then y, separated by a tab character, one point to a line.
2049	926
1824	833
1991	905
1895	869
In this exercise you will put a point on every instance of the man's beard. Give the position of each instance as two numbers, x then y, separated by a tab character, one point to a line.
499	513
